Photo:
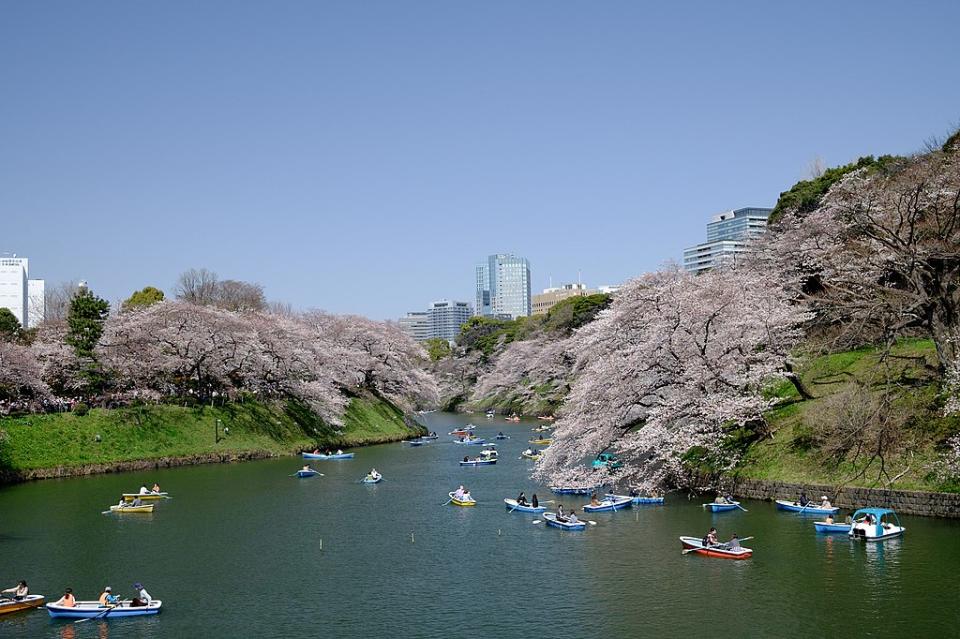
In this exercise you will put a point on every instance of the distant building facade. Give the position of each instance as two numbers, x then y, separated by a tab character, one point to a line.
442	320
727	237
503	286
20	294
543	302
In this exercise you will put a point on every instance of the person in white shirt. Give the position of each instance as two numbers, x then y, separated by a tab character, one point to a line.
142	597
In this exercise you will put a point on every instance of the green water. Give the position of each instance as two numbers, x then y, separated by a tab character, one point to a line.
237	553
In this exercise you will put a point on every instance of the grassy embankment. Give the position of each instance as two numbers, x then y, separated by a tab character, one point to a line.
808	443
161	431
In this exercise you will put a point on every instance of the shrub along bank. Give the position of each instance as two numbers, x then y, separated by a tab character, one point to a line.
108	439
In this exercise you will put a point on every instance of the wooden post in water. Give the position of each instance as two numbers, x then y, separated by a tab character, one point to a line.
411	537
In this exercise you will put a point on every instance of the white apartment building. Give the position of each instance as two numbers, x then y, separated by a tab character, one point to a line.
20	294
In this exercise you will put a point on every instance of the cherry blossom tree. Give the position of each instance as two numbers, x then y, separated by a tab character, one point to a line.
673	363
21	382
529	372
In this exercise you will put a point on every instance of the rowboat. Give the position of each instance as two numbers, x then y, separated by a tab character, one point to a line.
607	460
810	509
302	474
460	432
570	490
875	524
470	442
609	503
16	605
503	437
87	609
512	505
719	508
824	527
462	502
551	519
145	496
534	456
429	437
721	551
322	456
414	442
513	418
146	508
542	442
371	480
479	462
637	501
541	429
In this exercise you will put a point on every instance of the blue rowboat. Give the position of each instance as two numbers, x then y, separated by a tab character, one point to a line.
570	490
88	609
371	480
430	437
824	527
415	442
322	456
638	501
551	519
478	462
811	509
503	437
470	442
719	508
307	473
512	505
609	503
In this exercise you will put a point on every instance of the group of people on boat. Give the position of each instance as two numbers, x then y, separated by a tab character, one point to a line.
803	502
374	474
566	518
107	598
152	491
133	503
522	500
711	540
462	494
327	452
723	499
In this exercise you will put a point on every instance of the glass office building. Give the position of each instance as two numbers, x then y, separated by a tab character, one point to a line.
727	237
503	286
443	319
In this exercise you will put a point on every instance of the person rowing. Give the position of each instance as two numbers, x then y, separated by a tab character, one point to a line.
466	495
458	493
19	591
803	501
734	543
143	490
156	488
560	515
521	499
594	501
107	598
572	517
306	468
711	538
374	474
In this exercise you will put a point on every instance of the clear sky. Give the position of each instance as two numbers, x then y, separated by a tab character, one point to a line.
362	156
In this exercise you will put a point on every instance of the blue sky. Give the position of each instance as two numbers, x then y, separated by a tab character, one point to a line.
363	156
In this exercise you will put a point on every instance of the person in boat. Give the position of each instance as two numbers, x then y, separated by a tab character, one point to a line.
142	598
466	495
156	488
734	543
593	500
143	490
458	493
374	474
825	503
720	499
521	499
316	451
107	598
306	467
500	434
19	591
829	519
572	517
634	492
339	451
466	458
803	501
67	600
711	538
560	514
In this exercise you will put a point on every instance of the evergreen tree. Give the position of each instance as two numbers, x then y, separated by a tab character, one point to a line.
85	322
9	325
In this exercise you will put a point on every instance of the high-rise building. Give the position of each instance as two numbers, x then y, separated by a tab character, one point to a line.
727	237
446	318
416	325
503	286
20	294
543	302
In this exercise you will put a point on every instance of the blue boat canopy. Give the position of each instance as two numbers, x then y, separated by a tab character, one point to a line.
876	512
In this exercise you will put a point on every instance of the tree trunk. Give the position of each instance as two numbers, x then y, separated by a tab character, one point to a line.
797	382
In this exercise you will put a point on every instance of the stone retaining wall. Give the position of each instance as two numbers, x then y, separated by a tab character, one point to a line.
905	502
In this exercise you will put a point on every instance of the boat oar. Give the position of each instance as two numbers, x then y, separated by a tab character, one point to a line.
804	508
742	508
537	521
101	615
447	502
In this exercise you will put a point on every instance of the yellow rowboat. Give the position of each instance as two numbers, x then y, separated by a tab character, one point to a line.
539	441
145	496
534	456
461	502
16	605
146	508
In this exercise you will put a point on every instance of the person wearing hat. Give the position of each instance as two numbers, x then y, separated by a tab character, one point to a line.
107	598
824	502
142	597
